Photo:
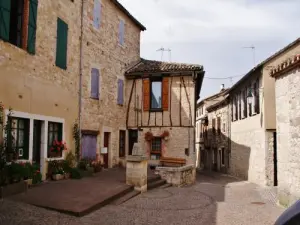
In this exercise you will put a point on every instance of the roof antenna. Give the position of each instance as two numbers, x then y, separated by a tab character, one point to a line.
162	50
253	52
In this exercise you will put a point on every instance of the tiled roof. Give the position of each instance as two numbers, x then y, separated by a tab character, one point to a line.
124	10
286	65
216	102
212	98
148	66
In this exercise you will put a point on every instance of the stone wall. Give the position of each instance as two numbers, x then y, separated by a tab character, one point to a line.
270	157
288	139
178	176
103	52
33	84
181	133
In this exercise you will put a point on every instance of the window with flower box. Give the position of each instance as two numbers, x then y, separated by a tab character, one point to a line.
54	134
156	148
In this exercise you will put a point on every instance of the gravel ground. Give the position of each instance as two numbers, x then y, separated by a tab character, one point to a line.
213	200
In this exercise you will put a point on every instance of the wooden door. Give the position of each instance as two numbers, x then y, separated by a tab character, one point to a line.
133	138
106	145
89	146
36	150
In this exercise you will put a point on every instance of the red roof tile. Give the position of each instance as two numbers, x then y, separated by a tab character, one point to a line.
285	66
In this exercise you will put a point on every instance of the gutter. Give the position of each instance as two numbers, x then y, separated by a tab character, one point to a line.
80	72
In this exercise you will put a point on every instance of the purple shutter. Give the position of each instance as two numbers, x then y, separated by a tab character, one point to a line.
89	146
121	32
120	91
97	13
95	83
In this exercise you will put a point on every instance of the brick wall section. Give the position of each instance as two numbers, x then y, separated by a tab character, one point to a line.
180	137
288	139
102	51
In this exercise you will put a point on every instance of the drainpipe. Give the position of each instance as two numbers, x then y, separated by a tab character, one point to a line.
80	71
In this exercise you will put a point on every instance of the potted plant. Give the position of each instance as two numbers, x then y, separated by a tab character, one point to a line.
57	148
165	135
58	174
67	169
148	136
97	166
28	173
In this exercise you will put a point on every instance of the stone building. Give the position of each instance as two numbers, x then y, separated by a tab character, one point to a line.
111	43
212	132
161	108
287	94
39	74
253	126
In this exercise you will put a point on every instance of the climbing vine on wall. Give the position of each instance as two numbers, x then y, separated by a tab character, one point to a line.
76	136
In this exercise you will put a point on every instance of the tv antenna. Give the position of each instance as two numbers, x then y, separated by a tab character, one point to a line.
252	47
162	50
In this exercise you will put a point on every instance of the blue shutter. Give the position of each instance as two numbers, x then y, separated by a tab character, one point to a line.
97	13
120	92
95	83
4	19
121	32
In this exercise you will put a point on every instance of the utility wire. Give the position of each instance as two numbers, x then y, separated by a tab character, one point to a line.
222	78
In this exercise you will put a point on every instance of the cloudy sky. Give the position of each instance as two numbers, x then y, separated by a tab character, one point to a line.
213	33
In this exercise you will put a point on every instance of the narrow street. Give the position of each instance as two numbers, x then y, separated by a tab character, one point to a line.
213	200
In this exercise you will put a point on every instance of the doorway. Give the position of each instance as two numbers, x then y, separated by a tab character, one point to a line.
37	136
106	145
133	138
275	158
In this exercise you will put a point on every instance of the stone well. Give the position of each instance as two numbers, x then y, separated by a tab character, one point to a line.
178	176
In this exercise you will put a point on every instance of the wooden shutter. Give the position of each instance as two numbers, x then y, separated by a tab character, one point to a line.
256	97
165	92
33	6
214	125
97	13
4	19
61	44
95	83
120	91
121	32
219	125
146	94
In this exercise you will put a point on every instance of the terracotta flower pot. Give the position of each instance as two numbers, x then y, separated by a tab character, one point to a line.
58	176
67	175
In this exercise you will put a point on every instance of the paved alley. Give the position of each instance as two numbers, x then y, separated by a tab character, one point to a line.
213	200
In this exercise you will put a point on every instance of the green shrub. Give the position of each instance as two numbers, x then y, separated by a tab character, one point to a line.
75	173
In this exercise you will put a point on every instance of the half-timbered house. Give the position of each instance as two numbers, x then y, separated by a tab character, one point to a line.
161	108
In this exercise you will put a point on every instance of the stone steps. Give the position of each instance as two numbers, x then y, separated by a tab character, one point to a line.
125	197
155	184
165	186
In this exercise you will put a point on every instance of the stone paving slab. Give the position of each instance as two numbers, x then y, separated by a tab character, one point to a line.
78	197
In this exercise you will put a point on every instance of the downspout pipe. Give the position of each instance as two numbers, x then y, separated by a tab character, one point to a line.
80	73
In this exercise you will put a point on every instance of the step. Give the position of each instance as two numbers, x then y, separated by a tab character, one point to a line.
155	184
153	179
165	186
126	197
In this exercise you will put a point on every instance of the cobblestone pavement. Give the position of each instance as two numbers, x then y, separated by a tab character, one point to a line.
218	200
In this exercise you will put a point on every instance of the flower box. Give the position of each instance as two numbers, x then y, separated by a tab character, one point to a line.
58	177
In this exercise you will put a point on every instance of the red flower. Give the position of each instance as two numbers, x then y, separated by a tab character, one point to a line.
51	149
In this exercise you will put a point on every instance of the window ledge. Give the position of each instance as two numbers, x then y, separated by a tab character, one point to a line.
156	110
94	98
53	159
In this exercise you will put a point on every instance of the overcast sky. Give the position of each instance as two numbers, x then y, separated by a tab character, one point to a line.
213	33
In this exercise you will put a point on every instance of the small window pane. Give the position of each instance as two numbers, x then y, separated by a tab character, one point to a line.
21	124
14	138
50	127
21	138
156	94
14	124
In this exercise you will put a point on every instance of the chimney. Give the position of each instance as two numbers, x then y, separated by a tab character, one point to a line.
222	87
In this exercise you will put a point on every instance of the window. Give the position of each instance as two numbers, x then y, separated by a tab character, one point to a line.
156	92
122	143
256	97
156	148
95	83
120	99
219	124
18	23
201	129
121	32
18	138
214	126
54	134
224	127
250	103
223	156
245	103
240	105
97	14
61	44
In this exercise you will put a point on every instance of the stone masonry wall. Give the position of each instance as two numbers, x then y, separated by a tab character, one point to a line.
103	51
288	138
33	83
180	137
219	141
